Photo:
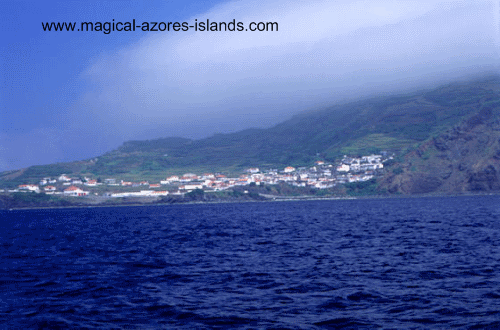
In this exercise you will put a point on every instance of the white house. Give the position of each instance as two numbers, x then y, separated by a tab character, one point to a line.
190	187
343	168
188	177
64	177
75	191
29	187
160	193
173	178
49	189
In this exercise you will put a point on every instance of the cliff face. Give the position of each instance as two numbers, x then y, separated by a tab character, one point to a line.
465	158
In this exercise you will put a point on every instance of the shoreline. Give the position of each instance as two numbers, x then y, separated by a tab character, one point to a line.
268	200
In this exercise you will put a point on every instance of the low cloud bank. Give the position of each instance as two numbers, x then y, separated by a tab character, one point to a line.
194	84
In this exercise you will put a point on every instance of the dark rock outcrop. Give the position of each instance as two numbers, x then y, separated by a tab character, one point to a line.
485	179
465	158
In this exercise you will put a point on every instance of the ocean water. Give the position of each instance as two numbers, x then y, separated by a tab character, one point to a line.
417	263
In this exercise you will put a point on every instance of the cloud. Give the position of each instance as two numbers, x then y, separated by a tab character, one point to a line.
324	51
194	84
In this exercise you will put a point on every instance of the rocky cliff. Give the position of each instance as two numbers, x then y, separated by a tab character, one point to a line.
465	158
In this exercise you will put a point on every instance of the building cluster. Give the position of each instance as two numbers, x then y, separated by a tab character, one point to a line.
321	175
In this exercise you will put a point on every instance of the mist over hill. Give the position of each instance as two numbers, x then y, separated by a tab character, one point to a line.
424	129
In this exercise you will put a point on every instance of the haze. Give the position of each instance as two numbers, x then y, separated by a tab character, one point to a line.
67	95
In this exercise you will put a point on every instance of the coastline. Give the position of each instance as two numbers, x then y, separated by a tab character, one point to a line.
267	200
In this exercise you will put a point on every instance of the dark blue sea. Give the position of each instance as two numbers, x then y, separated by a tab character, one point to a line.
416	263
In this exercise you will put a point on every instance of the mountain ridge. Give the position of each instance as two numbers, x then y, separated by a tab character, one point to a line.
402	124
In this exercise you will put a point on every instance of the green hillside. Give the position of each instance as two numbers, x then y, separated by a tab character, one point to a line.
397	124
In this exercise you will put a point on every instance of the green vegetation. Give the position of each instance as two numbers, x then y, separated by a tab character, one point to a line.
458	95
365	188
397	170
393	124
195	195
374	144
19	200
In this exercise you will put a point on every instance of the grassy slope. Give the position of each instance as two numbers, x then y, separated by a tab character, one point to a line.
387	123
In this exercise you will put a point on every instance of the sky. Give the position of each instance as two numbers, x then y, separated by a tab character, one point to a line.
68	96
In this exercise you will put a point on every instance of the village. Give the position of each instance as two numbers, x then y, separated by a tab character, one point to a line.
321	175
